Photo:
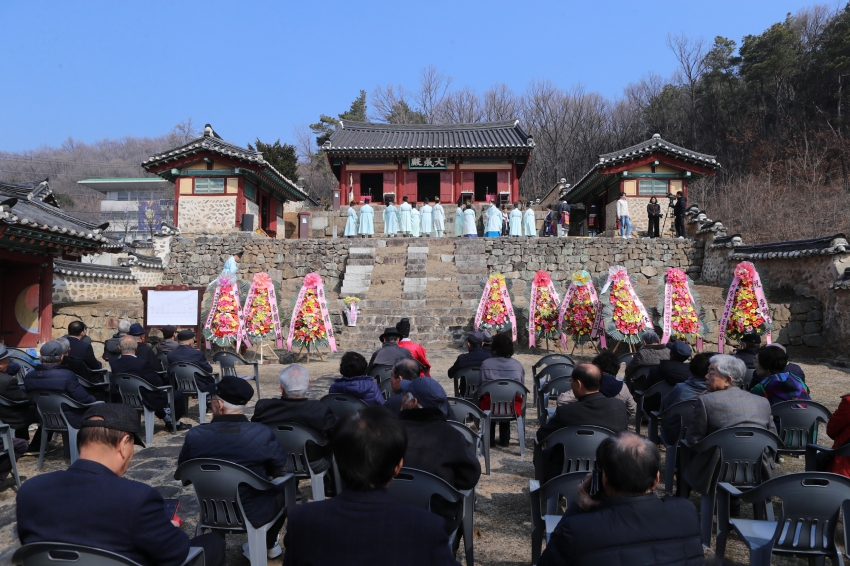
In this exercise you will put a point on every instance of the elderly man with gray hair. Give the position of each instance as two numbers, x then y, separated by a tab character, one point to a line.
111	349
724	405
650	354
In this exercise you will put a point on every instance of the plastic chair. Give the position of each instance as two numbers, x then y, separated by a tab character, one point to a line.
293	438
26	367
681	412
797	424
382	372
465	410
659	390
579	444
811	502
49	404
416	487
343	405
216	484
227	362
162	358
549	373
471	377
184	376
9	450
626	358
543	524
636	380
474	441
550	389
386	388
745	384
813	450
130	387
503	393
53	553
741	450
551	359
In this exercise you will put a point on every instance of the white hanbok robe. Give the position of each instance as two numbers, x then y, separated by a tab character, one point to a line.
439	219
367	220
415	222
494	220
351	223
390	221
459	221
404	217
515	218
469	227
427	219
529	224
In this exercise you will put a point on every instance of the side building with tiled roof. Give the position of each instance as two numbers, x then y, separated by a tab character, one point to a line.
474	162
652	168
221	187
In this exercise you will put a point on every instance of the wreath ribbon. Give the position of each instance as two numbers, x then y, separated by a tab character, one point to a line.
763	307
323	307
482	304
263	285
240	329
563	311
532	333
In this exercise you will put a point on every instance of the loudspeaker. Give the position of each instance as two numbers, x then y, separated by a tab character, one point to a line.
247	222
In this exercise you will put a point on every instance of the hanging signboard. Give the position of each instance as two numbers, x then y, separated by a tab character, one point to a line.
427	163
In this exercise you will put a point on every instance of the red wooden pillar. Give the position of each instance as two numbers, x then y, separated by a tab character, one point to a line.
45	318
685	187
399	183
176	199
343	184
514	183
457	181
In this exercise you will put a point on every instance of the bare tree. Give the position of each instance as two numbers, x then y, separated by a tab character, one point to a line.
500	103
433	90
461	107
690	53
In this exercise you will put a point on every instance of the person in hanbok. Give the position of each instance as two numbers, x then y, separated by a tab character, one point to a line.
404	217
459	220
351	223
515	221
470	230
529	224
493	227
367	220
505	225
390	220
231	266
415	222
427	212
439	219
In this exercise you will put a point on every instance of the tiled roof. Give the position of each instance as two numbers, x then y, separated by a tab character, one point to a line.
484	136
843	282
727	242
828	245
134	258
79	269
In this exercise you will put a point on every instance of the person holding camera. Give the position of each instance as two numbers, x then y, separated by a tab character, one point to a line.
617	518
679	213
653	211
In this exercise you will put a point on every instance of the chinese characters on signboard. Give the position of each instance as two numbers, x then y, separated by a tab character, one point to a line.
427	163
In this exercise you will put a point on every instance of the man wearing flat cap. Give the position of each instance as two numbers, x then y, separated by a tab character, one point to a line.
231	437
51	376
389	352
187	353
92	504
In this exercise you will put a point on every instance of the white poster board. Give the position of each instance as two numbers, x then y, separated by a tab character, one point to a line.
177	308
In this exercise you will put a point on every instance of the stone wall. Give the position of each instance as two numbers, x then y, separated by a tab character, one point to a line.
205	215
70	288
101	318
146	276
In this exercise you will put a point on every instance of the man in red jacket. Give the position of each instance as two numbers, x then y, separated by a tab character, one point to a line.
416	350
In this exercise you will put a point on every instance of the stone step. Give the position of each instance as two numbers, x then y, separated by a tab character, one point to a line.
361	251
358	269
359	261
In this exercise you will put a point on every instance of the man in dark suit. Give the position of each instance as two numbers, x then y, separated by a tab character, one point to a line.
186	352
592	408
474	355
91	504
143	351
369	448
51	376
630	524
131	364
80	348
232	438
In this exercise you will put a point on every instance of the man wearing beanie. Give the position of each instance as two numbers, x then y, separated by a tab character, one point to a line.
416	350
231	437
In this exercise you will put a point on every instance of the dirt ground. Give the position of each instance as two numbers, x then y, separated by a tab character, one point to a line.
503	513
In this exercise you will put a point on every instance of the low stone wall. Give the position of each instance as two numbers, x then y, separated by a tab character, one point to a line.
69	288
100	317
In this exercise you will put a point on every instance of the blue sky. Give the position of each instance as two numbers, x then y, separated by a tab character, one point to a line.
95	70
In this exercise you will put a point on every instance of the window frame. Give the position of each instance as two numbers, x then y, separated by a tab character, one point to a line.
209	181
652	193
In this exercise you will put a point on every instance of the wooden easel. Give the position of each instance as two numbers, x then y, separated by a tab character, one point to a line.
581	345
318	352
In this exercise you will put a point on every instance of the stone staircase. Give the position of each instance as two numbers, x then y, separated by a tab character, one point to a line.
415	278
471	263
358	272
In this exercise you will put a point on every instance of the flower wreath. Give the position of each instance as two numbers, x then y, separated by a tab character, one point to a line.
261	314
543	309
223	325
310	324
624	315
681	314
495	310
746	310
578	312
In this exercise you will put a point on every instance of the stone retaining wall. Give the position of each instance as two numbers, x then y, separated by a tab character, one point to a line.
70	288
100	317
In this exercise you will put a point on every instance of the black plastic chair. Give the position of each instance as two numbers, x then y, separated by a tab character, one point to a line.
549	390
343	405
416	487
50	404
741	450
543	523
294	438
811	502
386	388
681	412
550	360
503	394
797	424
549	373
382	372
659	390
9	450
625	359
227	362
184	375
579	444
130	388
53	553
636	380
471	376
162	358
26	367
464	411
216	484
748	377
95	385
474	442
816	463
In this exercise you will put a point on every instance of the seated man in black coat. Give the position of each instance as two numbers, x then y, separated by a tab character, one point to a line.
186	352
673	371
51	376
369	449
19	418
474	356
156	401
435	446
81	349
253	445
592	408
294	407
629	524
91	504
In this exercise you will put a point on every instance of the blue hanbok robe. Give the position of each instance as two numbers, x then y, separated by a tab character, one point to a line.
515	218
459	222
427	219
529	224
415	222
404	218
351	222
367	220
494	222
390	221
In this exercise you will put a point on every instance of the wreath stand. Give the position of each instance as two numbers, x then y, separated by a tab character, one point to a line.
263	347
617	345
581	345
557	347
307	345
